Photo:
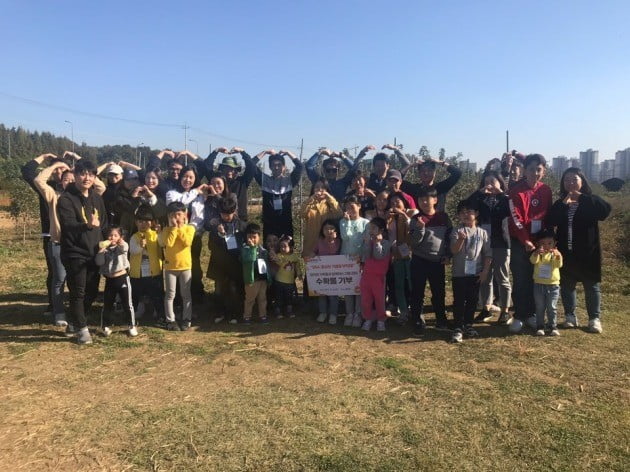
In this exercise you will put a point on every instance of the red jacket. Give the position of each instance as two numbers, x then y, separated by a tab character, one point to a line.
528	205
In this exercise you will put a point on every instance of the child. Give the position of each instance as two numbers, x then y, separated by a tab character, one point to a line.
530	200
429	231
177	239
288	269
352	229
145	260
472	257
113	262
547	262
255	274
398	229
225	238
329	244
375	264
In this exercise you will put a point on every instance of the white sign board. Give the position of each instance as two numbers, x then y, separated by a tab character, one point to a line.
333	275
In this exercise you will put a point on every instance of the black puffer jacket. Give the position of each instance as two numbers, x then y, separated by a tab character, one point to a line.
73	210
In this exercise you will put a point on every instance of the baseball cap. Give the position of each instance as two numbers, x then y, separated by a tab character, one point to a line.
114	169
394	174
129	174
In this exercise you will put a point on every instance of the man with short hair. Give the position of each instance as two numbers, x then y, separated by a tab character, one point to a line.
330	170
82	217
377	182
427	169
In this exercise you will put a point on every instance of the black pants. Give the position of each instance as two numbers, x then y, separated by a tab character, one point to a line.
49	268
284	295
231	296
421	271
82	278
151	287
120	286
196	283
465	296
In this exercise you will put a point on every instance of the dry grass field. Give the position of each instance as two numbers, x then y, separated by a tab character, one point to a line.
294	395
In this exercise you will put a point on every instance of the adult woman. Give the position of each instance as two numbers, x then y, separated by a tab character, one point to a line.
494	209
153	185
217	188
320	206
193	195
365	196
576	215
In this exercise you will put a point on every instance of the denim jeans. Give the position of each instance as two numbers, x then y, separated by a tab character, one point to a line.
592	294
58	279
523	281
546	299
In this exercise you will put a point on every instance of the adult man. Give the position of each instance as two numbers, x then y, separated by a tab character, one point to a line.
29	172
377	181
330	168
426	172
82	216
174	165
51	196
230	169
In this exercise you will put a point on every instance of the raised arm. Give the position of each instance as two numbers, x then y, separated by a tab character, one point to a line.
250	167
313	162
296	173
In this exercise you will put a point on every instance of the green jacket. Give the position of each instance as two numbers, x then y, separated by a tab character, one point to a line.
249	256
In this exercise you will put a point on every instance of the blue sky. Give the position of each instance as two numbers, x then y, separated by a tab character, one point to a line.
449	74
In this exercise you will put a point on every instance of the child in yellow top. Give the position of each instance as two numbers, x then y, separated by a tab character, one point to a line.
547	261
177	240
288	270
145	264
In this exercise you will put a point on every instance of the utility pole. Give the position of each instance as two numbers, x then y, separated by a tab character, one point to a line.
71	134
507	140
300	190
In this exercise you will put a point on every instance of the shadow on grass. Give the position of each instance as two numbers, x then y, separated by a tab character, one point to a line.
31	335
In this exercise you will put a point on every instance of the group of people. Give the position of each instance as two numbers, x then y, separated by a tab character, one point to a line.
141	229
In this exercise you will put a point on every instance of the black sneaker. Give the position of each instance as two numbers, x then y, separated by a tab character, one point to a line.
503	318
185	325
458	336
418	329
172	326
470	332
483	317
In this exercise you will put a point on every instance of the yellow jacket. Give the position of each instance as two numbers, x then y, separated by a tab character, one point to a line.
315	212
177	243
548	263
154	251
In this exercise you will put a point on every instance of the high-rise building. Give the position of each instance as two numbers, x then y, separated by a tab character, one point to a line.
588	162
559	165
622	164
607	170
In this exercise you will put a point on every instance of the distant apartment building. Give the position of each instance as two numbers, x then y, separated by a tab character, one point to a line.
589	164
607	170
467	166
559	165
622	164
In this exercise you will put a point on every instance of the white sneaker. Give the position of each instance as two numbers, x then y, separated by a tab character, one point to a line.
531	322
367	325
84	337
595	325
457	336
540	332
554	332
218	319
570	321
322	318
332	320
357	321
133	331
380	326
515	326
347	321
107	331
